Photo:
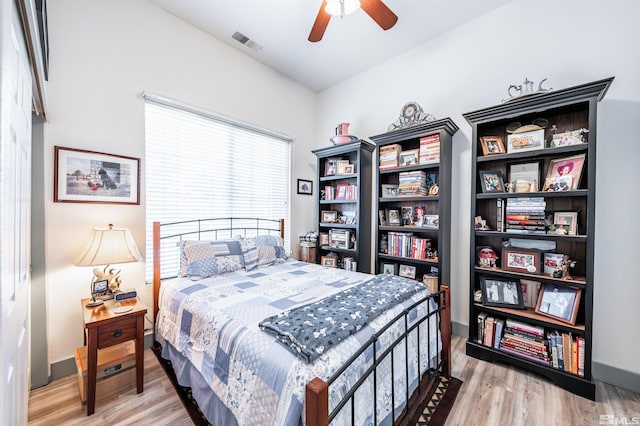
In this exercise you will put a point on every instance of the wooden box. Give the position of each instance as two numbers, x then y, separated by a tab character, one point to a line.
116	371
307	252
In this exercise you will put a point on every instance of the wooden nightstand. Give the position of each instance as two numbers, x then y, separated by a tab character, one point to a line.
104	327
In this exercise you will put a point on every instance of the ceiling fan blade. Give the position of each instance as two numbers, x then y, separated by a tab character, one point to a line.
320	24
379	12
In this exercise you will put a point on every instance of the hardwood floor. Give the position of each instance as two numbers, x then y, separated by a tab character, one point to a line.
492	394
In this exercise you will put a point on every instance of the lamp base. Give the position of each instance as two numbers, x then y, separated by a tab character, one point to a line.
94	303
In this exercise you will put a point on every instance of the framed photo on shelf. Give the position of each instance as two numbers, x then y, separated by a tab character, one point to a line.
491	181
560	303
329	261
552	262
407	271
389	191
393	217
95	177
526	261
409	158
340	166
524	177
569	166
567	220
331	166
305	187
558	183
430	221
525	141
492	145
382	218
349	169
329	216
323	237
407	215
501	293
389	268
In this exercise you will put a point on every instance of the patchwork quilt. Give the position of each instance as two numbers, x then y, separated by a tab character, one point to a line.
253	378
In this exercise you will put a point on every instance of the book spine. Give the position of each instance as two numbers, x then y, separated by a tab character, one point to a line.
581	349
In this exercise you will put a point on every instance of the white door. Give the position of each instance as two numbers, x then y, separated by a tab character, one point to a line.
15	214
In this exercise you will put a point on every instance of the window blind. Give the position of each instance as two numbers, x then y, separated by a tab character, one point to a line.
200	165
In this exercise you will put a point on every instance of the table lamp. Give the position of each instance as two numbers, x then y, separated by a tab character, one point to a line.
107	246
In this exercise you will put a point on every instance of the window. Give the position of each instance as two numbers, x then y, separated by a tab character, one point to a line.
201	165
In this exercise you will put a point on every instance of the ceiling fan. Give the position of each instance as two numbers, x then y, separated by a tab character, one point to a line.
376	9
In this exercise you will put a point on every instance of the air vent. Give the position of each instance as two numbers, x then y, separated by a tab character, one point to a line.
246	41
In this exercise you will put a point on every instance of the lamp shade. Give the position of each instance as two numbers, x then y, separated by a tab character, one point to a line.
109	245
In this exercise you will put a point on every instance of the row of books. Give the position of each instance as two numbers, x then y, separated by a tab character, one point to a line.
349	263
412	184
523	215
342	191
567	352
429	149
405	244
558	350
428	153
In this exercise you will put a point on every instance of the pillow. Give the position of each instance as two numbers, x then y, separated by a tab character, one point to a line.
262	250
202	259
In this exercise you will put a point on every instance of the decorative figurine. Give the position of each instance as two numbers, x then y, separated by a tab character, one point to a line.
565	265
411	114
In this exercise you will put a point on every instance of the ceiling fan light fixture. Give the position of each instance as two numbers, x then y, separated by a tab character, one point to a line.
341	7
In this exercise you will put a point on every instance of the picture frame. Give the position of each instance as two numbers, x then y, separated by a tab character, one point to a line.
305	187
331	166
492	145
501	293
430	221
409	157
329	216
329	261
526	261
390	268
558	183
340	165
558	302
349	169
567	166
407	271
524	177
382	217
552	262
525	141
82	176
323	237
388	190
393	217
406	213
491	181
568	220
99	287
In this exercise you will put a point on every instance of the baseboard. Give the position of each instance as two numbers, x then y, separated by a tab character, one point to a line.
67	367
602	372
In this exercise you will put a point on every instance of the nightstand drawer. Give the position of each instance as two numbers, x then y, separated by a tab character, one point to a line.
117	332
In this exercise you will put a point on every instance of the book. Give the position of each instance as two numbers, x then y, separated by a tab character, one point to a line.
481	317
429	149
581	349
560	351
499	325
523	326
554	350
488	331
566	350
574	357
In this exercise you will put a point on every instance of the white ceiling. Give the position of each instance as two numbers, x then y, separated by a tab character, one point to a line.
350	45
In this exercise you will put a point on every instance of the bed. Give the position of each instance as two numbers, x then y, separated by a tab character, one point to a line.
222	324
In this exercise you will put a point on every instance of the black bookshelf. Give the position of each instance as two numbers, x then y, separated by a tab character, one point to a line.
568	109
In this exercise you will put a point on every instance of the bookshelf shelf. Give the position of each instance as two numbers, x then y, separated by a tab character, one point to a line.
521	220
434	136
358	206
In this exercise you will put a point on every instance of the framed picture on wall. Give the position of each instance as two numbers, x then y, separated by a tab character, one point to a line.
95	177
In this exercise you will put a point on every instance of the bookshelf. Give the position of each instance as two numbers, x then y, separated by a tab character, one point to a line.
344	205
533	202
418	243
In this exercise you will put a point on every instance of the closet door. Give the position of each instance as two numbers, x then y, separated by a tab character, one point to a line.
15	214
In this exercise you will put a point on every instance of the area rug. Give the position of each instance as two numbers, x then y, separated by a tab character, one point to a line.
435	411
437	408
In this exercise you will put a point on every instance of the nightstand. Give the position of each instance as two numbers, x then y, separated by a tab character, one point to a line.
105	327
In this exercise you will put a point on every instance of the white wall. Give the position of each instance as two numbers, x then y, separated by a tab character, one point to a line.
570	42
103	55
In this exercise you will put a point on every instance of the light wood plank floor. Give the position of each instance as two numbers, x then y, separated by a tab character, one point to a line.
492	394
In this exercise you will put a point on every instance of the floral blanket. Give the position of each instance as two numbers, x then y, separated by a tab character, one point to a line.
311	330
